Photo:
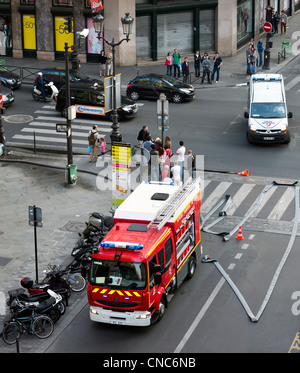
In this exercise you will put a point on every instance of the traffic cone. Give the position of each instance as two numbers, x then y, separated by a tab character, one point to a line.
244	173
240	235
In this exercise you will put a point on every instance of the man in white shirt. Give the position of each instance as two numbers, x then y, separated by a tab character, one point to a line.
176	173
180	157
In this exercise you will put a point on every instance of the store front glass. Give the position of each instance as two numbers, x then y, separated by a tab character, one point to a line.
244	21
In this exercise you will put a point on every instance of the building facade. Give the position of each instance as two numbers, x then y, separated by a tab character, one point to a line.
36	29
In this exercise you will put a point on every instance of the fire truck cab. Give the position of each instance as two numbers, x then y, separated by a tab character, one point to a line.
152	247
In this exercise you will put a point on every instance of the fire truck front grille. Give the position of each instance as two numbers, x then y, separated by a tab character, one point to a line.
109	303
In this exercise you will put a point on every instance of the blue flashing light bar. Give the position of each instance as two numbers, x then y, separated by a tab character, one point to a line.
121	245
267	79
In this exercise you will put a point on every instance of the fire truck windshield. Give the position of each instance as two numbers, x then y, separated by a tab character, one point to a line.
120	274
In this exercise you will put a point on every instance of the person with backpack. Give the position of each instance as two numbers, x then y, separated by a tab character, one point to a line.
94	143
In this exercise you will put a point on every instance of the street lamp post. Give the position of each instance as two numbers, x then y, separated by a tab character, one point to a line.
127	21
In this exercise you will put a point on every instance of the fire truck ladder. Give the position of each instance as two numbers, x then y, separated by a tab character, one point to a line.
170	205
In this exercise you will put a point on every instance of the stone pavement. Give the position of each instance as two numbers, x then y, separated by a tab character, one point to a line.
39	179
24	182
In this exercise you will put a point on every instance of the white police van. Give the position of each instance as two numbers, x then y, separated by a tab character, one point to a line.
267	110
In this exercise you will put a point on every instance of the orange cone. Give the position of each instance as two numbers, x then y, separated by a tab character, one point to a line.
240	235
244	173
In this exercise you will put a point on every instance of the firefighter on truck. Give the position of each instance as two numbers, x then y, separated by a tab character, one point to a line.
153	246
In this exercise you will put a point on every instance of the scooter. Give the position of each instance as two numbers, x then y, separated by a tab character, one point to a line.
51	92
49	307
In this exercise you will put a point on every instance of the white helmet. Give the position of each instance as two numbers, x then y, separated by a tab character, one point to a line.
40	74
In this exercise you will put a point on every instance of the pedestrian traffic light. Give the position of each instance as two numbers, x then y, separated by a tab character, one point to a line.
68	23
269	11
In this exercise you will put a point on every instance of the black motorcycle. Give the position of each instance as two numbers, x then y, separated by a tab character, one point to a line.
20	306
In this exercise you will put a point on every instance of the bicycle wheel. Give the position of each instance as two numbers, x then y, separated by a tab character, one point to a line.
10	333
42	326
76	282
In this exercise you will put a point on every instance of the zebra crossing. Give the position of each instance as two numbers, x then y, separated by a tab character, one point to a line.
291	82
43	128
276	209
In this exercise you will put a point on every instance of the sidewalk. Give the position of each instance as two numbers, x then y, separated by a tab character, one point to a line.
39	179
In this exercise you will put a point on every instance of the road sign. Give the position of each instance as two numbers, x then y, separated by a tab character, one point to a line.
267	27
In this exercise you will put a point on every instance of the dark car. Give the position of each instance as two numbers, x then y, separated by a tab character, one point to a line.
152	85
90	100
10	80
58	77
7	96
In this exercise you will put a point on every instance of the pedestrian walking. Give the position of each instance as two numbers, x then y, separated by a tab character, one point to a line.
109	59
185	70
216	69
93	138
260	49
176	63
102	61
197	63
206	65
283	22
169	64
180	152
141	135
102	145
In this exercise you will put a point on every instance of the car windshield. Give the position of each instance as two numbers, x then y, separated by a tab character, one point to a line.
78	75
268	110
118	274
171	81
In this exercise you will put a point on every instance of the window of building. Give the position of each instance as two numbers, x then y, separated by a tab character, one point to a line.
62	2
27	2
4	1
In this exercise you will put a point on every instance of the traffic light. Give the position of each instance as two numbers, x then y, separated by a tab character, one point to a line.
68	23
269	11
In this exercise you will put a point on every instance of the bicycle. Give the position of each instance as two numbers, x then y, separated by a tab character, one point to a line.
39	325
73	278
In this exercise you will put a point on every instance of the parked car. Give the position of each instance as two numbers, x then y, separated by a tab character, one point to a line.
10	80
7	96
150	86
58	77
90	100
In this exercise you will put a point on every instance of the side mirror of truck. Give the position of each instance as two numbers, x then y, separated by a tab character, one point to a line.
157	278
246	114
290	115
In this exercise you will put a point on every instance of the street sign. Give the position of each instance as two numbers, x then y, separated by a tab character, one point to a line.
61	127
267	27
35	216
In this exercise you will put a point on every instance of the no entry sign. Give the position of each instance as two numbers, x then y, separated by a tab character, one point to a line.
267	27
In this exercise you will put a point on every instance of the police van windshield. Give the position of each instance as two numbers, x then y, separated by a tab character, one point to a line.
118	274
268	110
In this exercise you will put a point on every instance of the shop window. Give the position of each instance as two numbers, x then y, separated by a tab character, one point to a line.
4	1
62	2
27	2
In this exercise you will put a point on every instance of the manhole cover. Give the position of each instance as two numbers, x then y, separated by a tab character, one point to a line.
72	226
19	118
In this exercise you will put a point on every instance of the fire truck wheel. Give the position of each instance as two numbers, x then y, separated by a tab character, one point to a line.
192	267
161	309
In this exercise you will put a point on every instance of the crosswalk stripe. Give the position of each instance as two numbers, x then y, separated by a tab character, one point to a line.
77	120
53	132
50	139
292	83
266	198
52	125
282	204
214	197
239	197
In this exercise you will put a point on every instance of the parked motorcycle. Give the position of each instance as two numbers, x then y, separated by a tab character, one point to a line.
51	92
51	306
57	284
70	275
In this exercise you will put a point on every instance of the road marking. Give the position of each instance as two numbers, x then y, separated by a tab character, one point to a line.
49	139
239	197
281	206
231	266
251	236
200	316
238	256
215	196
292	83
295	347
245	246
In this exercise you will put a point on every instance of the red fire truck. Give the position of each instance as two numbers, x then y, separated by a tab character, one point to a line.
152	247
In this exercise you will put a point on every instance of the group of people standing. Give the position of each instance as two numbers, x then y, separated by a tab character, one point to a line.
105	61
209	68
163	165
279	19
95	143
